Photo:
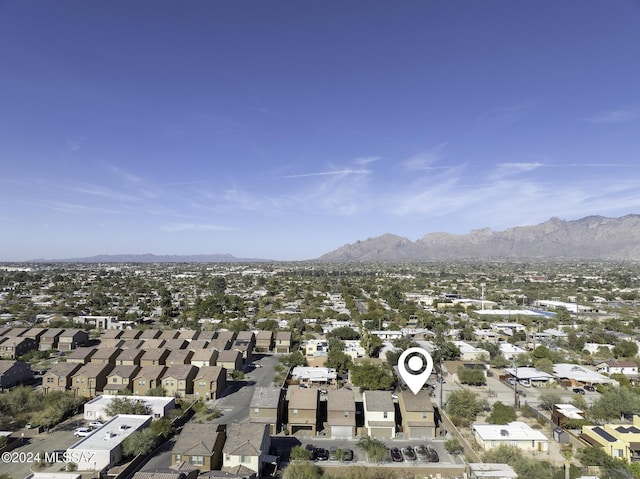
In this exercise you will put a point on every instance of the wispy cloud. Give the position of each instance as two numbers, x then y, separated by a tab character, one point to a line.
509	169
615	116
107	193
425	160
76	143
329	173
366	160
180	227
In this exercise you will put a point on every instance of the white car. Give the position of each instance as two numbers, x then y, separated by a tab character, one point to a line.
95	424
256	365
82	432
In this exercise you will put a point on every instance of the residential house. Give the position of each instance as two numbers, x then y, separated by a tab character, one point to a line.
149	377
316	348
221	344
266	407
154	357
178	380
132	344
111	342
246	445
565	414
264	341
416	410
150	334
129	357
379	414
200	445
341	413
105	355
245	343
209	382
188	334
620	441
35	334
97	408
179	356
284	342
71	339
90	379
153	344
204	357
302	411
49	339
471	353
103	449
111	334
59	377
198	344
314	375
14	347
121	379
80	355
207	335
628	368
230	360
131	334
516	433
168	334
13	373
176	343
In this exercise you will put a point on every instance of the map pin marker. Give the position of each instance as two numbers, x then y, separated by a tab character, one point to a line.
415	366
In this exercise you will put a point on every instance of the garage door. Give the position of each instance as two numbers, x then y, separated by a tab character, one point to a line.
421	432
381	432
302	430
343	432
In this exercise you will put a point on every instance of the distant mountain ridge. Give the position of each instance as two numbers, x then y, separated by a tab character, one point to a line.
153	258
592	237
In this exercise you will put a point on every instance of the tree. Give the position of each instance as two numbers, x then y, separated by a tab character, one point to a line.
375	448
501	414
344	333
613	402
471	376
292	360
162	427
547	400
302	470
625	349
139	442
453	446
125	405
525	467
299	453
372	344
157	391
463	406
370	376
339	360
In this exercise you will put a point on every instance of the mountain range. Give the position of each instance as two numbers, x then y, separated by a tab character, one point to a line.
590	238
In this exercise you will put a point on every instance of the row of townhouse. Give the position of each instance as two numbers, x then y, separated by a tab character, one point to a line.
14	342
300	412
92	379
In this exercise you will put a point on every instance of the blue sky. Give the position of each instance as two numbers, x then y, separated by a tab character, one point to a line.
285	129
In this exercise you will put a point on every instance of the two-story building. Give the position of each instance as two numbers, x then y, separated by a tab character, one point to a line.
247	445
303	411
148	378
266	407
379	414
200	445
341	413
13	373
284	342
90	379
178	380
59	377
209	382
417	414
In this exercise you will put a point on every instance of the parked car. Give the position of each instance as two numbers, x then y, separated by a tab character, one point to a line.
95	424
590	388
321	454
408	454
82	432
578	391
255	365
433	455
396	455
347	455
322	391
422	452
312	450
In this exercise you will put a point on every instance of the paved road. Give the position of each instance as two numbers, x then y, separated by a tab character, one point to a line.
234	405
61	438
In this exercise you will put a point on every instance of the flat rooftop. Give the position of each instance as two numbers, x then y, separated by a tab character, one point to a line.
112	432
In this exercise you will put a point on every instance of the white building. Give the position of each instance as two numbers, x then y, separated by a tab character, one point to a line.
580	374
306	374
518	434
469	352
379	414
510	351
103	448
483	470
159	405
618	367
